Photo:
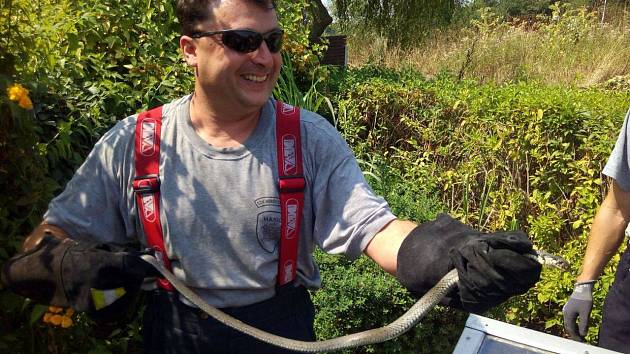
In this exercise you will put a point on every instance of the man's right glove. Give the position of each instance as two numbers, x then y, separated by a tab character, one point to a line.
101	280
580	304
491	267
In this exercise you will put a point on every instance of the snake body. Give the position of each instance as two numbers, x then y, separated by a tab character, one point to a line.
377	335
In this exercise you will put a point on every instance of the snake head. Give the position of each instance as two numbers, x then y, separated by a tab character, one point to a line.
551	260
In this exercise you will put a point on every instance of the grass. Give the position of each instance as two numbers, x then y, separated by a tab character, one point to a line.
571	48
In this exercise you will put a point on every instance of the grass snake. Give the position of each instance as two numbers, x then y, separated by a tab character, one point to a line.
372	336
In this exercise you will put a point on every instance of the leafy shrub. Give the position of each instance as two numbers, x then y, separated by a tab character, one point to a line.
87	64
515	8
515	155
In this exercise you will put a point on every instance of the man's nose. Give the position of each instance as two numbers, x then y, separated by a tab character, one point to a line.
262	55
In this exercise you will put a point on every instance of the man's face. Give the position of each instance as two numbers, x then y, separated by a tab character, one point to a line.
229	79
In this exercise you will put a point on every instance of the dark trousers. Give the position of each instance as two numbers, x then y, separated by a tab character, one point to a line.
614	332
173	327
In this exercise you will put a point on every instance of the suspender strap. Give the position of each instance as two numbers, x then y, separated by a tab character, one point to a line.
291	183
146	183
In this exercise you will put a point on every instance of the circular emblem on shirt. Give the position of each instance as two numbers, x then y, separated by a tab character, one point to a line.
268	230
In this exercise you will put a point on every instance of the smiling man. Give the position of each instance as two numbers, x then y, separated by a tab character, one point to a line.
233	192
234	77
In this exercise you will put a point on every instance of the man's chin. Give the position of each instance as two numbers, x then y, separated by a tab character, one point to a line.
255	101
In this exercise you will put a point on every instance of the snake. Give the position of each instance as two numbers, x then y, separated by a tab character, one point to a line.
399	326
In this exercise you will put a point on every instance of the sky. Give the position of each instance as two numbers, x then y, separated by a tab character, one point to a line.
328	4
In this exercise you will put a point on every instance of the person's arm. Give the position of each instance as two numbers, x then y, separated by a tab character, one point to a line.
38	233
607	232
604	240
383	248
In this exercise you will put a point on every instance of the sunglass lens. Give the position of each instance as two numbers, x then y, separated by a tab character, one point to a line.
242	41
245	41
274	41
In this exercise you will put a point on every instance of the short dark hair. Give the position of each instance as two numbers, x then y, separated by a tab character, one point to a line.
193	12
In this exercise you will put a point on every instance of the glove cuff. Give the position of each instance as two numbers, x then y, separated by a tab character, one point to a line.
583	290
586	282
423	256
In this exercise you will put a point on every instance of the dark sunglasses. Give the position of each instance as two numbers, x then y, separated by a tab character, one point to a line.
246	41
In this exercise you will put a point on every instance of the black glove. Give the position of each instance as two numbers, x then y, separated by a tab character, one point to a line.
491	267
101	280
579	304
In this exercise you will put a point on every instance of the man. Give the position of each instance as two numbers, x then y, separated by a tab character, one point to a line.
607	234
220	208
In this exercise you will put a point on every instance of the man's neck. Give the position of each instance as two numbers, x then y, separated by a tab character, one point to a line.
221	128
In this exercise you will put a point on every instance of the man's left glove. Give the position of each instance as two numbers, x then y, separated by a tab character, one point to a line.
492	267
101	280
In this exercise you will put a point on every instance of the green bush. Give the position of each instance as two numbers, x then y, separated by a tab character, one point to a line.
518	155
87	64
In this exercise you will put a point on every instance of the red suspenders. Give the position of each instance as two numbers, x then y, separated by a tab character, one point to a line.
291	183
146	184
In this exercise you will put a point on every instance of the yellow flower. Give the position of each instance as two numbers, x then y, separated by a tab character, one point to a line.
66	322
56	319
16	92
26	103
47	317
54	309
19	94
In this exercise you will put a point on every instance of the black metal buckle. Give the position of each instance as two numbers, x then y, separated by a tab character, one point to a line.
146	184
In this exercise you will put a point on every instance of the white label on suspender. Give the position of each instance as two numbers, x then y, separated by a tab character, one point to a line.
288	154
288	271
291	206
287	108
147	145
148	207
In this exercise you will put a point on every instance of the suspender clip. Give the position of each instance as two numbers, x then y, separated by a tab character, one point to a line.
146	184
292	184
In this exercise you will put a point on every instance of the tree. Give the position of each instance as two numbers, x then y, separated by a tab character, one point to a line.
321	19
400	21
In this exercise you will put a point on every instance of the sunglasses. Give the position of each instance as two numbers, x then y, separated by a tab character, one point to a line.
246	41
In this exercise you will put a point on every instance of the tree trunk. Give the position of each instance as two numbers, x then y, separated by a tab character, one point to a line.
321	20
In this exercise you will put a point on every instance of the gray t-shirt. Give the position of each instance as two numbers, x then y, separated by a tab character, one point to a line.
220	206
618	165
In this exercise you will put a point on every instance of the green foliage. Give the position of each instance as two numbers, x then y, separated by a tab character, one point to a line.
87	64
401	22
358	296
303	54
568	46
288	89
516	8
499	157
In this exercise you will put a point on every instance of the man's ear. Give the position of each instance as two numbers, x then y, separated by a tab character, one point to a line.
188	47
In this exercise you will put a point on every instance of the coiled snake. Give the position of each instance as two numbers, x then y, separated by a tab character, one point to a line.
377	335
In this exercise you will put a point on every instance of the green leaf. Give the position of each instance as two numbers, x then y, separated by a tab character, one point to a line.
37	313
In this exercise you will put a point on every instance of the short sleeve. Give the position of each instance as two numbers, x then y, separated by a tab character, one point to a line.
347	212
92	205
618	165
